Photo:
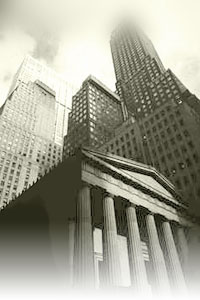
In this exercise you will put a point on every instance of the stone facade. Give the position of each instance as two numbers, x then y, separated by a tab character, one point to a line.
134	210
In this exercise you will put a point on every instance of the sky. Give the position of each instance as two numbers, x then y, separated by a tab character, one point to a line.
72	36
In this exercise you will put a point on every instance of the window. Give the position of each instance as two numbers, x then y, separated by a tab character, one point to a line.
190	144
181	165
196	158
178	183
186	133
173	170
165	121
172	141
166	145
186	181
179	137
127	136
188	162
169	156
178	113
176	152
163	159
166	172
183	149
160	149
181	122
169	130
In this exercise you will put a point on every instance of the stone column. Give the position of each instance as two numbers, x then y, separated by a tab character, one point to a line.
183	247
137	264
110	243
70	246
84	249
176	274
161	281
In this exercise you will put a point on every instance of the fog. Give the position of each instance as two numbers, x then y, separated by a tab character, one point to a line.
72	36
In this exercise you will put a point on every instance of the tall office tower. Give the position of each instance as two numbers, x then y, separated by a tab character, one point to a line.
167	115
142	81
27	137
96	111
32	70
167	140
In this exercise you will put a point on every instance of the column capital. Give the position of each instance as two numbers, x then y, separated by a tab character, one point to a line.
71	219
86	184
180	226
130	204
107	194
147	211
163	218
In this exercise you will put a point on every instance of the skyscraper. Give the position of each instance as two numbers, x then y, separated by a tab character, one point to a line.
167	140
167	115
27	137
96	111
142	81
32	70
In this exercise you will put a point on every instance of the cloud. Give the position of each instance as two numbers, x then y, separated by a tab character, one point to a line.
7	77
189	68
13	48
46	44
47	20
72	36
46	48
36	19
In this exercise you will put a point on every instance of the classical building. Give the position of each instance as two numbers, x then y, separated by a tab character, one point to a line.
32	70
96	111
100	221
27	137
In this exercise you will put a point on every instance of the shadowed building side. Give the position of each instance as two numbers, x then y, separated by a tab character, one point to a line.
98	221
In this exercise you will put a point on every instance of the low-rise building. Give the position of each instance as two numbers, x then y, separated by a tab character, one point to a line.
100	221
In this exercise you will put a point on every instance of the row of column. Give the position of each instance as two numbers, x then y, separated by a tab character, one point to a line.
84	250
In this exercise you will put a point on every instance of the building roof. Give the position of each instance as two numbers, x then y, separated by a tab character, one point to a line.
45	87
129	168
142	177
102	86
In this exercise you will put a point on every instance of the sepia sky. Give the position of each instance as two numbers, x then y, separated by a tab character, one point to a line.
72	36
